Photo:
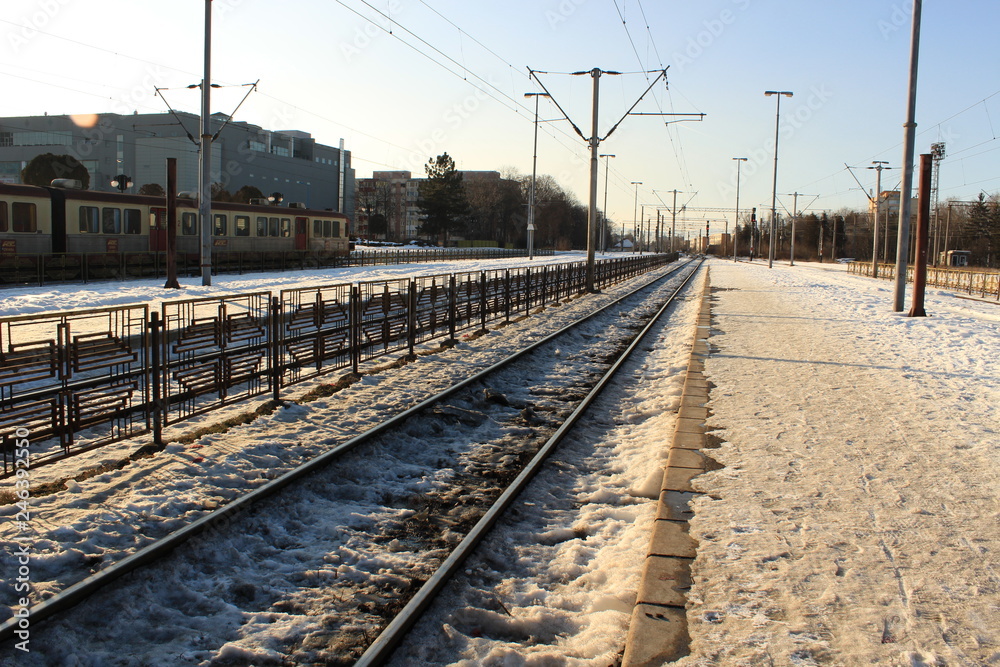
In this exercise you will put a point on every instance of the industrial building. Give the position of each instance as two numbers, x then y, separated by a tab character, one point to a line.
290	162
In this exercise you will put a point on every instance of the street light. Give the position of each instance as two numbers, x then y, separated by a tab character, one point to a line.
739	163
534	162
774	191
604	222
635	210
275	198
122	182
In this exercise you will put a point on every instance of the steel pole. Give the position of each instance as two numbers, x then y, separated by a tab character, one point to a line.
739	163
774	189
909	136
531	204
923	219
205	182
592	214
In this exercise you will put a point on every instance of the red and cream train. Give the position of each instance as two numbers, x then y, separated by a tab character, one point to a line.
60	219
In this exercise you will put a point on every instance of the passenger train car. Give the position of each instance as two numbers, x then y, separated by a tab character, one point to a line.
58	219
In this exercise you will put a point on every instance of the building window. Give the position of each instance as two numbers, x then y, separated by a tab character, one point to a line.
258	146
133	221
219	228
90	220
43	138
6	140
189	224
241	225
111	220
280	150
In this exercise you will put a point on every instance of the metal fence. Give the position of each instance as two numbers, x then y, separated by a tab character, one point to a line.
982	282
78	380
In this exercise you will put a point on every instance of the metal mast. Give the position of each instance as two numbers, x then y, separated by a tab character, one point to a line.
909	137
937	154
205	154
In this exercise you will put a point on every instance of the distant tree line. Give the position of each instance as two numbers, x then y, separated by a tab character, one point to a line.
972	226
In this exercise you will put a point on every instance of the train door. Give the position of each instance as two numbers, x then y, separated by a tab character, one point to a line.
157	228
301	227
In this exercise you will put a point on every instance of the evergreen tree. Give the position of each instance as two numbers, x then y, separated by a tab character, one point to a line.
246	193
45	168
152	189
442	201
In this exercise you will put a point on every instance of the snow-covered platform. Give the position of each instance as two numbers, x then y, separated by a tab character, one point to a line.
856	519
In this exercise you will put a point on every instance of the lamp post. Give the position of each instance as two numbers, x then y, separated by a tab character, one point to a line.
275	198
604	222
739	163
635	210
774	190
122	182
534	163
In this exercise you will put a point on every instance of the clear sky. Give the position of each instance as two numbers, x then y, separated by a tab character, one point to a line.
404	80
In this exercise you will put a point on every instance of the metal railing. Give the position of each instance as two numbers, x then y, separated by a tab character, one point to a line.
82	379
972	281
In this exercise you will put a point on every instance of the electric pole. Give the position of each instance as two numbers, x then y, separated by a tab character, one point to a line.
795	217
205	154
879	166
594	142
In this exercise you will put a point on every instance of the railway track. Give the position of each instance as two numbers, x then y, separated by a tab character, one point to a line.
316	558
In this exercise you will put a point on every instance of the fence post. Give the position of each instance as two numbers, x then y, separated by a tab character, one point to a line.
274	348
506	295
156	402
452	306
354	311
527	291
411	316
483	301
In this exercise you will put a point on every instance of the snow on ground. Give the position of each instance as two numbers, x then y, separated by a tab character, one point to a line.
857	520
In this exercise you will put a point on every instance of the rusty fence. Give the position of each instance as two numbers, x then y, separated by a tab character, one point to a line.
74	381
981	282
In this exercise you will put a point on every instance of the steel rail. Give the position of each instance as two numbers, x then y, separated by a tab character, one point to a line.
79	591
384	645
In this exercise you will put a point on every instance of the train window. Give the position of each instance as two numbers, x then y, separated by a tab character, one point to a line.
273	228
189	224
3	216
336	228
317	228
111	220
24	217
261	226
326	228
241	225
219	228
90	222
286	227
133	221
